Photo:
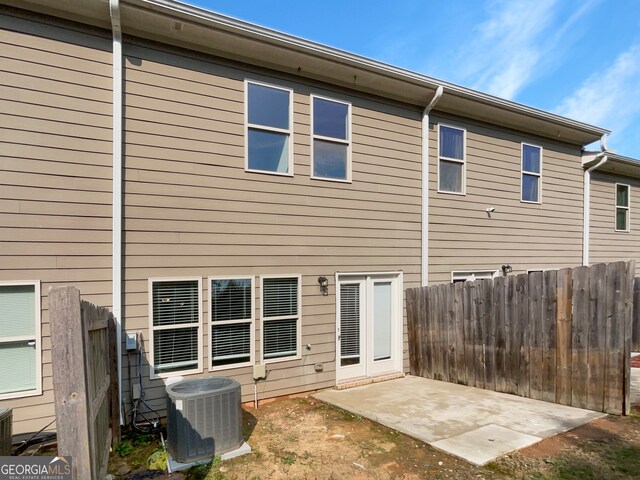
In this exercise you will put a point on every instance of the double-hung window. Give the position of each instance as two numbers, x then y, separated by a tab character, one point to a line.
331	150
20	357
232	320
531	189
280	311
175	324
622	207
451	159
269	112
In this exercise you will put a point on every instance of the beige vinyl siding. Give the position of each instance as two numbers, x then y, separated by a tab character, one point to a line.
462	236
55	172
191	209
607	245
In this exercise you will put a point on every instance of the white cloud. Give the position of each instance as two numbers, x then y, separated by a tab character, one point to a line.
516	43
608	96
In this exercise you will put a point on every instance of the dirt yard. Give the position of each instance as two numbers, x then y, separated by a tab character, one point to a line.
301	438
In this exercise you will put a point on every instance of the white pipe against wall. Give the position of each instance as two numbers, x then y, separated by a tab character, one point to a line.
425	185
586	198
116	240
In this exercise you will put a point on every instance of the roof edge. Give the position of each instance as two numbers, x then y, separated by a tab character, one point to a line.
207	17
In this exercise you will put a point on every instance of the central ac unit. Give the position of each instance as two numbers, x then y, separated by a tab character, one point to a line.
5	432
204	418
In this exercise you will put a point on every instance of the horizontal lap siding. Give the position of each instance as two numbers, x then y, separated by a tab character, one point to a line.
607	245
191	209
55	172
523	235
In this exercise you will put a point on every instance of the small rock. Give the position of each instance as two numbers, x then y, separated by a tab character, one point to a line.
337	436
223	469
440	463
109	477
358	465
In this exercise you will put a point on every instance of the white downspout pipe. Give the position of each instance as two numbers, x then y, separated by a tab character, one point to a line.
425	185
116	240
586	196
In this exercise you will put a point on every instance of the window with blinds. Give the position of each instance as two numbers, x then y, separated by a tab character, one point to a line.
349	324
20	340
175	325
280	310
231	322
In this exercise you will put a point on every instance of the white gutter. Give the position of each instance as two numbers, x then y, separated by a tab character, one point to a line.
425	185
179	9
116	240
586	198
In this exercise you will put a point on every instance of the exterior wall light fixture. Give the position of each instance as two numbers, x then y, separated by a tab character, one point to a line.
507	269
324	285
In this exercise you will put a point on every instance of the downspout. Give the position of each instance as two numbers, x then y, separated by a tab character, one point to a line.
425	185
586	198
116	240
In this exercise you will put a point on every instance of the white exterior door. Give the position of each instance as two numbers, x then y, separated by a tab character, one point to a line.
369	325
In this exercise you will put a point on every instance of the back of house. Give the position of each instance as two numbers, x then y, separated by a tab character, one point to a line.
276	198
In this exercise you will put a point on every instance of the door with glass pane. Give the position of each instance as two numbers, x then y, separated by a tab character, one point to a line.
369	326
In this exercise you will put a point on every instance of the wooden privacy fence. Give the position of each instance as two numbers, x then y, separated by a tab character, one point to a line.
84	357
562	336
635	325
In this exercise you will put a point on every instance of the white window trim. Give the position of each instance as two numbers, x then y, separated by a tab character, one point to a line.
627	208
252	337
150	353
456	160
298	325
494	274
523	172
38	339
248	125
347	142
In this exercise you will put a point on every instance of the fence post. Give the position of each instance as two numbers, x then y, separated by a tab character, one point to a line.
70	390
628	334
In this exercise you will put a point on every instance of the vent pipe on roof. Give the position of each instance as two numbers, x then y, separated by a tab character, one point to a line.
425	185
116	215
586	198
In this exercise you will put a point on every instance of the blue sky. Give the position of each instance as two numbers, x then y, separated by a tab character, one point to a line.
576	58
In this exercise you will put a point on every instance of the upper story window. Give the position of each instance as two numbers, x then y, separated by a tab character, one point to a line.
331	150
20	355
232	315
451	159
269	114
175	320
622	207
531	188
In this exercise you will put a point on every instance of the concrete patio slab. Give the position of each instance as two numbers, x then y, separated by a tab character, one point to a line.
485	443
432	411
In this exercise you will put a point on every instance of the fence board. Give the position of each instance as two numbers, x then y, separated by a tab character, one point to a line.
469	313
613	379
459	332
627	322
522	309
564	317
84	357
535	335
427	335
414	339
594	366
449	327
561	336
549	303
499	316
513	344
635	335
478	329
489	336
